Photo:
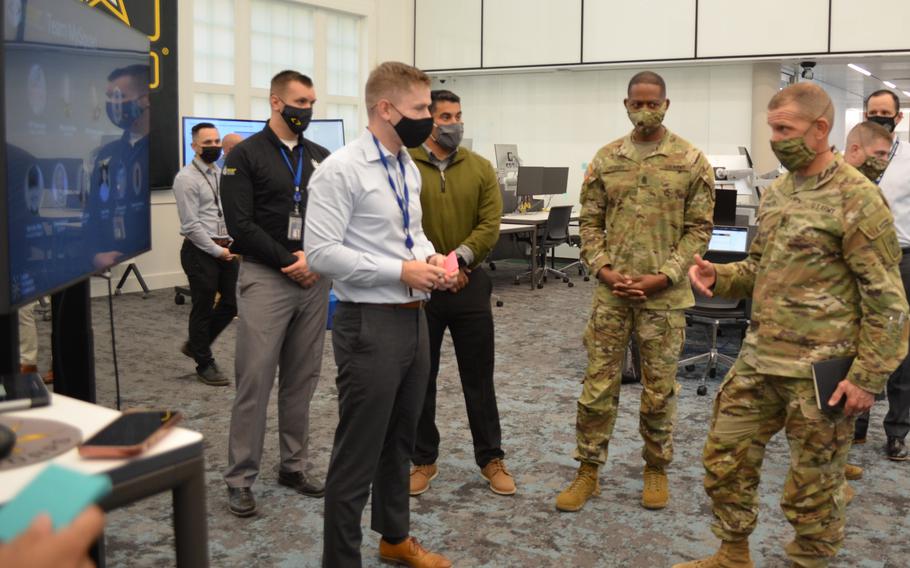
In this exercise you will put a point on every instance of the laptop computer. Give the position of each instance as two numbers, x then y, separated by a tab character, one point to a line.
729	239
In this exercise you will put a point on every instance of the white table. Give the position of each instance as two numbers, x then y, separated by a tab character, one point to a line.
175	463
530	222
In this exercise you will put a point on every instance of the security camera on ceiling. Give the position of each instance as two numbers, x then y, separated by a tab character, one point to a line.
808	71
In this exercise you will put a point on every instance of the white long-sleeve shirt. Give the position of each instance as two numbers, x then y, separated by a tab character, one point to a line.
195	197
354	227
895	184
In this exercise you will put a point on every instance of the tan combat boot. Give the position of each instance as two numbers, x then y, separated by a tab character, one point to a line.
849	493
853	472
583	487
730	555
655	493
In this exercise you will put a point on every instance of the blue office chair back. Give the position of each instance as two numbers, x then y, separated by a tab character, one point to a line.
558	223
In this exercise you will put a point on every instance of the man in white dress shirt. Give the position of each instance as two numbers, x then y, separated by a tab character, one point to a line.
883	107
363	230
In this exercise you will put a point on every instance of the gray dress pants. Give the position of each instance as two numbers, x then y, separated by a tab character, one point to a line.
281	326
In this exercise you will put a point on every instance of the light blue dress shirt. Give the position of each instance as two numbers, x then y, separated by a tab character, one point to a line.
354	227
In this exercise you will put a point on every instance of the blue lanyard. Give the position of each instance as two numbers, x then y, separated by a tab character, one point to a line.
298	176
403	204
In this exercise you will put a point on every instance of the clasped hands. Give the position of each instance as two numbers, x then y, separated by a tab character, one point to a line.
300	271
635	288
430	275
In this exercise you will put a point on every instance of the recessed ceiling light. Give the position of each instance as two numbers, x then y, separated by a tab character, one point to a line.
906	93
859	69
890	84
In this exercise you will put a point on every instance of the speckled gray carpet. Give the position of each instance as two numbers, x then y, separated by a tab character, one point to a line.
540	361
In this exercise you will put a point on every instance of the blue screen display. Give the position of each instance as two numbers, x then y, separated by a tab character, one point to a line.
327	133
77	117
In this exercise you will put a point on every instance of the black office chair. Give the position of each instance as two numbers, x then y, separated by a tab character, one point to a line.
555	232
714	313
575	241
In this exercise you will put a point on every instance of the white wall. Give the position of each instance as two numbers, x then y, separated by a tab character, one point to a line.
561	118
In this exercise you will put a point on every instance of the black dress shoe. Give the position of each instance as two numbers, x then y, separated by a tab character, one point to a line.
241	501
299	482
897	450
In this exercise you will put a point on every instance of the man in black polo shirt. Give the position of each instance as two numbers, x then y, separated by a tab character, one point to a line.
282	304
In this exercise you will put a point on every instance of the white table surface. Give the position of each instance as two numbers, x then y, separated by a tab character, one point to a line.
89	418
506	228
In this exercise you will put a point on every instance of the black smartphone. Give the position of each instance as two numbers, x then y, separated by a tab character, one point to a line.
130	434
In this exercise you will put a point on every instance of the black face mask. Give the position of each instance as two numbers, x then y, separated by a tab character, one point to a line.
210	154
124	114
296	118
413	132
886	121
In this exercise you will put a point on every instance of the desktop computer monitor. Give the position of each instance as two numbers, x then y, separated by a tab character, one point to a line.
539	180
725	207
328	133
555	181
530	180
74	147
729	239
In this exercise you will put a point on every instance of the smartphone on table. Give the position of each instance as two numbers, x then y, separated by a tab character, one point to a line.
130	434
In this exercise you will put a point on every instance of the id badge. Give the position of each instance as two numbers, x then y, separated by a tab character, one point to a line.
222	229
295	227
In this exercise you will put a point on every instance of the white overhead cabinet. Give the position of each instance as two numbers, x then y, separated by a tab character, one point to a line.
447	34
616	30
882	25
768	27
523	32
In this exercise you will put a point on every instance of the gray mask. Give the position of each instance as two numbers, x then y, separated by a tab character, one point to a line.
449	135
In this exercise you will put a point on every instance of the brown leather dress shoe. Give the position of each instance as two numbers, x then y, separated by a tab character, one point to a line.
409	553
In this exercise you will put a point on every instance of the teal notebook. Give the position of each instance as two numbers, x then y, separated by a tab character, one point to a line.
60	492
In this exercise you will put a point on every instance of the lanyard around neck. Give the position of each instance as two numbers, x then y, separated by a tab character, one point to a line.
216	189
403	203
298	175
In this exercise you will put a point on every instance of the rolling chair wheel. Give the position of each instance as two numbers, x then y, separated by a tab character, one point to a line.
492	266
702	390
117	291
689	367
515	282
712	373
587	278
571	284
539	286
498	303
179	299
565	280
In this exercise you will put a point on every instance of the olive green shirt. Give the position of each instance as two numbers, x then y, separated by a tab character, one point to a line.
823	276
461	203
647	215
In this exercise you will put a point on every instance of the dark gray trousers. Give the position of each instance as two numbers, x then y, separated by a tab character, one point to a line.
383	360
897	421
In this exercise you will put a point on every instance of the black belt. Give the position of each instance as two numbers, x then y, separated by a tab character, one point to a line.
415	305
905	250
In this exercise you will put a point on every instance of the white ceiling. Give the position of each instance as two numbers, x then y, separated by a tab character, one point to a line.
888	68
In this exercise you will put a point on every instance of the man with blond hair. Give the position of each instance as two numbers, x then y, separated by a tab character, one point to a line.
823	278
363	230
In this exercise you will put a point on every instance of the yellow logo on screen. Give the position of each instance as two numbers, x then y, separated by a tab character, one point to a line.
115	7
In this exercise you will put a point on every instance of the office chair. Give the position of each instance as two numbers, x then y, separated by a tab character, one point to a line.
575	241
713	313
555	232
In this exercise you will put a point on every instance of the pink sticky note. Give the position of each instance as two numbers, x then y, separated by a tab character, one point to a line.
451	264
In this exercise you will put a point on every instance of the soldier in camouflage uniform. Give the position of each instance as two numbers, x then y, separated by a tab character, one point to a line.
647	207
822	274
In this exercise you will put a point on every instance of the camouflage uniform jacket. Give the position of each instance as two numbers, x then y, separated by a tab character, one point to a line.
647	216
823	276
